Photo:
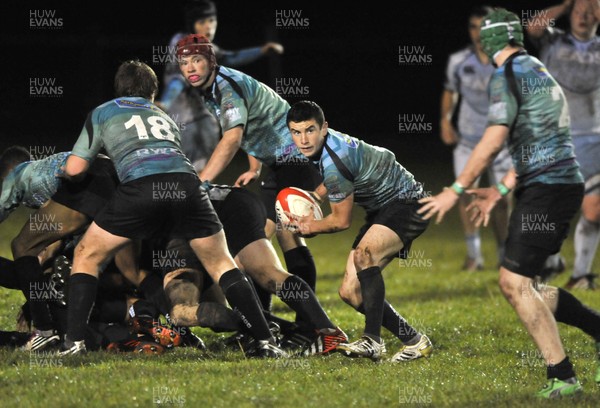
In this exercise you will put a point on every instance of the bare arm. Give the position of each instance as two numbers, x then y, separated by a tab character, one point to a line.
537	25
448	104
339	219
253	173
75	167
223	154
484	153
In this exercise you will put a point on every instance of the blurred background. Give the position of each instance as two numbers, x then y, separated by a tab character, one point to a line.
346	58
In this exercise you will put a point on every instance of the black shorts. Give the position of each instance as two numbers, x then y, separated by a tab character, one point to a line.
160	205
304	175
243	216
91	194
539	224
401	217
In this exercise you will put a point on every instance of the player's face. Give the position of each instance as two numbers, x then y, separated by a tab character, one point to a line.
195	69
206	27
474	30
582	20
308	136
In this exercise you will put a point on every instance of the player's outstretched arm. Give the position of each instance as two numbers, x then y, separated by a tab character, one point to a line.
491	143
223	154
485	199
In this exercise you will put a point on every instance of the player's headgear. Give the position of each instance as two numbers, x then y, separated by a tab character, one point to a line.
499	29
197	44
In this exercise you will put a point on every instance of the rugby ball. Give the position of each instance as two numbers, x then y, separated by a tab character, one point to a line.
296	202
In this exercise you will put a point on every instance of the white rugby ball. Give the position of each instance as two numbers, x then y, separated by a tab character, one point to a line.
296	202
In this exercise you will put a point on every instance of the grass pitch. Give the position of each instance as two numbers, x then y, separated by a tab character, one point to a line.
482	357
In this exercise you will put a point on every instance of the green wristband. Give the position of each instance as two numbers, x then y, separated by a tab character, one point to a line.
502	189
458	189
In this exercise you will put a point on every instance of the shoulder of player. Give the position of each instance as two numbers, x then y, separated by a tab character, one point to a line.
460	56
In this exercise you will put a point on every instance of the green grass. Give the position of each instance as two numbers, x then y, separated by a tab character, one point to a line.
483	357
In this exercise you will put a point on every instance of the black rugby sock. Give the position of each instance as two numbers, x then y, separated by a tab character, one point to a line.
571	311
242	299
82	294
35	288
296	293
395	323
372	289
562	370
300	262
8	275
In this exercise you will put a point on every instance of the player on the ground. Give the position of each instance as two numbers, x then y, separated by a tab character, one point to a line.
252	117
355	172
528	110
467	75
159	195
244	217
573	59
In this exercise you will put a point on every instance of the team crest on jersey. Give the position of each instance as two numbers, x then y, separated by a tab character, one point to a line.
542	71
123	103
349	141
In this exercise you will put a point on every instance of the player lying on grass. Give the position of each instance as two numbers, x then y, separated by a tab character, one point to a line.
244	217
528	110
356	172
159	196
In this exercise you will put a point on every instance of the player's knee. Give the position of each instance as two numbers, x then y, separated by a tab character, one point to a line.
509	285
363	258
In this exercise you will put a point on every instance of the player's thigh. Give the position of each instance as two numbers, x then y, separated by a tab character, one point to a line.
378	246
460	156
96	247
213	253
262	264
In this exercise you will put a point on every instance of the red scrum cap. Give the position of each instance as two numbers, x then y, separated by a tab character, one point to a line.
195	44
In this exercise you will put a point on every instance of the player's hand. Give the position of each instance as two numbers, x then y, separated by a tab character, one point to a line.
484	201
449	136
246	178
272	48
439	204
299	225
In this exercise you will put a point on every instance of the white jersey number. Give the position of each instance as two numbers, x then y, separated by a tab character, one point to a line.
159	127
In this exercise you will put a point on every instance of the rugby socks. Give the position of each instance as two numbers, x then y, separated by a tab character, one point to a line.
473	242
242	299
35	288
82	294
299	261
8	275
571	311
217	317
396	324
587	236
562	371
152	288
372	289
263	295
296	293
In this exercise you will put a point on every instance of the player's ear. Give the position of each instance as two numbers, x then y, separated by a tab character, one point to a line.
325	126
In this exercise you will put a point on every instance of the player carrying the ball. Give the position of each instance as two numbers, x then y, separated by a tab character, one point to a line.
356	172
